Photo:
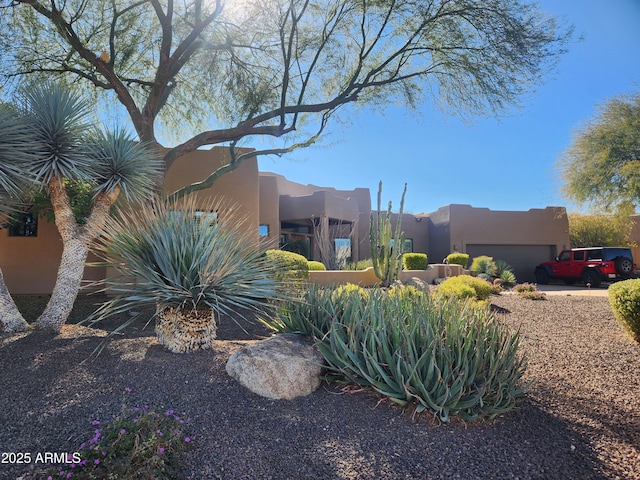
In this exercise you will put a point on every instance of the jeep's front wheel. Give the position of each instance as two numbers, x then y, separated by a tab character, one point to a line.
624	266
542	277
591	278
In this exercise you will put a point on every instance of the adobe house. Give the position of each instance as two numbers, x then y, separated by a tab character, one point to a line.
279	212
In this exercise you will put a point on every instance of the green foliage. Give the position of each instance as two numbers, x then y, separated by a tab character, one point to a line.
314	265
387	245
624	298
359	265
505	273
508	278
138	443
407	293
444	357
601	229
349	290
414	261
483	265
301	247
601	166
464	286
451	49
183	260
457	259
311	314
288	266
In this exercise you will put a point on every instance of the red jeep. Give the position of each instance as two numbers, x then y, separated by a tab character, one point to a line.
589	265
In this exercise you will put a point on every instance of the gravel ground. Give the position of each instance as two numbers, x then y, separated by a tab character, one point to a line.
579	420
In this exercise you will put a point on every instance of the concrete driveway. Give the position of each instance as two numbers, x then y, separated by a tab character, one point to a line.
561	289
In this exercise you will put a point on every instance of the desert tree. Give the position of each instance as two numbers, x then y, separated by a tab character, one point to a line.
63	145
207	72
601	166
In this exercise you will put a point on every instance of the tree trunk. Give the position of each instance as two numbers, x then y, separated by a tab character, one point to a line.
76	241
185	330
11	320
68	281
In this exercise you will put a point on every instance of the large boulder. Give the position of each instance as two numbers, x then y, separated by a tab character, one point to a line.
284	366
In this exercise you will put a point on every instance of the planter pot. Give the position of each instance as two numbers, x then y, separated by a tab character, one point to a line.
185	330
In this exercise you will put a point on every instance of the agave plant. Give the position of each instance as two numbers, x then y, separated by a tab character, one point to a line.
191	265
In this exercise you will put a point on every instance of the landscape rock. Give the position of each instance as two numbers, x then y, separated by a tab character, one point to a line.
417	283
284	366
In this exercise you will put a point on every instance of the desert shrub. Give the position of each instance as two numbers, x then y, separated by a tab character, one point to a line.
508	278
624	298
529	291
395	347
483	265
459	287
414	261
496	289
314	265
349	289
289	266
140	442
525	287
406	293
359	265
310	314
457	259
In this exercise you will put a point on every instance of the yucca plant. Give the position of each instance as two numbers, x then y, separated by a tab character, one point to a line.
189	264
483	265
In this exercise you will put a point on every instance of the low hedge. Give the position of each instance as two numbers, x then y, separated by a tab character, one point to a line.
414	261
457	259
313	265
624	298
289	266
464	286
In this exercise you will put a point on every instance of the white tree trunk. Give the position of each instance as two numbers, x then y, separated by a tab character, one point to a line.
68	282
11	320
76	242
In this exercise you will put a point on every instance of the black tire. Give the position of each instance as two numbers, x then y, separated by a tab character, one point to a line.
542	277
624	266
591	278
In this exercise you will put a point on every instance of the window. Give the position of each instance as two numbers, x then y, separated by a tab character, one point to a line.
210	217
578	256
408	244
23	225
263	230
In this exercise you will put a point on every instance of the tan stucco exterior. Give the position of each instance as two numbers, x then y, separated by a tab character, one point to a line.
288	210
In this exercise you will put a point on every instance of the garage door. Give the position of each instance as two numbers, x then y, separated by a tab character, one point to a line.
522	258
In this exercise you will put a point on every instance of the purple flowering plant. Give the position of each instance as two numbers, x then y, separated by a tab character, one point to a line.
137	443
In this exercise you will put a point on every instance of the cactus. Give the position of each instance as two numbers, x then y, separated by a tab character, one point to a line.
387	260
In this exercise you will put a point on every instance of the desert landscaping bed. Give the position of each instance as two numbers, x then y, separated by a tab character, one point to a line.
579	418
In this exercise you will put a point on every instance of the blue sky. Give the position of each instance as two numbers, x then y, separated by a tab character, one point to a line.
506	164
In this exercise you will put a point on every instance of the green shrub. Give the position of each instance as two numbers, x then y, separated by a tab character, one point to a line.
443	356
359	265
533	295
406	293
457	259
459	287
311	314
349	289
313	265
289	266
624	298
508	278
414	261
483	265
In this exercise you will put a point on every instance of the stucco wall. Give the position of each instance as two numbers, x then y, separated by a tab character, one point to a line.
239	188
30	264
